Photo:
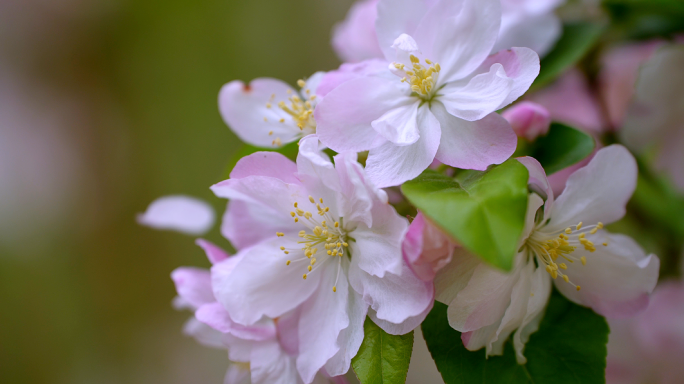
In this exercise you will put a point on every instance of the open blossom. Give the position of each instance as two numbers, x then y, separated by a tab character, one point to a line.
268	112
649	347
320	240
263	353
656	115
437	95
524	23
564	242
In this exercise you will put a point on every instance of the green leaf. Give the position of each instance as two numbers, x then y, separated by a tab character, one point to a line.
290	151
646	19
562	147
382	358
483	211
568	348
576	41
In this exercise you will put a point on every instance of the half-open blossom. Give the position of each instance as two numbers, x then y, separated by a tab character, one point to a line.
649	347
564	241
263	353
323	242
656	115
524	23
268	112
529	120
437	95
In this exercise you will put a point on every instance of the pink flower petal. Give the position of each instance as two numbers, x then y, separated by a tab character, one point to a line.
474	145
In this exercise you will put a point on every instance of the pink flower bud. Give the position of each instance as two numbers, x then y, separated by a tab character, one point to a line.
529	120
426	248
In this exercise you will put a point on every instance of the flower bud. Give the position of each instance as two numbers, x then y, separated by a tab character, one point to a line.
529	120
426	248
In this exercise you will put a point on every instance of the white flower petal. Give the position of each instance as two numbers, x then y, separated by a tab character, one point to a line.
344	116
350	338
237	374
455	276
399	125
484	300
617	279
245	109
474	144
597	192
179	213
394	298
261	284
516	311
323	318
377	250
269	364
396	17
390	165
541	291
204	334
538	32
459	34
476	98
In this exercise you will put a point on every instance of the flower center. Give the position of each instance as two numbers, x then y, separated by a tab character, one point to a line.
550	247
300	111
421	79
328	235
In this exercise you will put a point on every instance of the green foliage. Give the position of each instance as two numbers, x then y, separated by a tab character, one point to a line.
568	348
483	211
382	358
562	147
644	19
290	151
574	44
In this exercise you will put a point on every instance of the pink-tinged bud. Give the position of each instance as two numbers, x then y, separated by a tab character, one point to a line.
529	120
426	248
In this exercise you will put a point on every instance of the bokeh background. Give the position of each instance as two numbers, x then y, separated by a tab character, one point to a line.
106	105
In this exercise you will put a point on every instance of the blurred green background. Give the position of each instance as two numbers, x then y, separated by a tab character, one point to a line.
126	94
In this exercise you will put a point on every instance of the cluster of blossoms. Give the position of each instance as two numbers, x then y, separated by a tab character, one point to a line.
319	246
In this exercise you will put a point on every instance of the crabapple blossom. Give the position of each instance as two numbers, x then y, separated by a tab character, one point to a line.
524	23
268	112
563	241
263	353
436	96
324	243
